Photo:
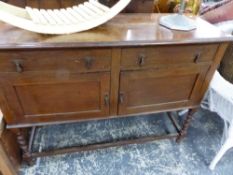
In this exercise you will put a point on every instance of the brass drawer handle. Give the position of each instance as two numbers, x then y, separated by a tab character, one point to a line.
88	62
18	65
141	59
197	57
106	100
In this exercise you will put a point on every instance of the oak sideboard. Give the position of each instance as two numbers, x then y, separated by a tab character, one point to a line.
130	65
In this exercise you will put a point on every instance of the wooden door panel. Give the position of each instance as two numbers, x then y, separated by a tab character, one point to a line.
149	90
48	98
157	86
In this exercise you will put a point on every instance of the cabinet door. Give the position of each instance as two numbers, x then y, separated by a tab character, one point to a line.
161	89
52	97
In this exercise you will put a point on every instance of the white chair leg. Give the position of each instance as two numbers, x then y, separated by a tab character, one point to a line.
226	146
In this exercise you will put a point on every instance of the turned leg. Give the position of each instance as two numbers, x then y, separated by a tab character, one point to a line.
185	126
23	144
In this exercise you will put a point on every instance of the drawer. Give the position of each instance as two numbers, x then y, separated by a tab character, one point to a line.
76	60
166	55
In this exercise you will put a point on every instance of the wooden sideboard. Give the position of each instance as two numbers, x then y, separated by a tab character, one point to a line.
131	65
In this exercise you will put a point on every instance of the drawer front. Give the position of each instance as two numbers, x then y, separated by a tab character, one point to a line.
76	60
166	55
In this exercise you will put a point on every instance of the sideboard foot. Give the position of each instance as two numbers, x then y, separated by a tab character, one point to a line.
186	124
22	140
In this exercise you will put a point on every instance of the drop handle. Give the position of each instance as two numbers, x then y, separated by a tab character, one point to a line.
106	100
197	57
121	98
141	59
88	62
18	66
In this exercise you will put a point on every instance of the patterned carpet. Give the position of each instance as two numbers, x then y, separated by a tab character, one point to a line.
164	157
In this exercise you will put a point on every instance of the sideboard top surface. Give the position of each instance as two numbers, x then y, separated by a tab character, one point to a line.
123	30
